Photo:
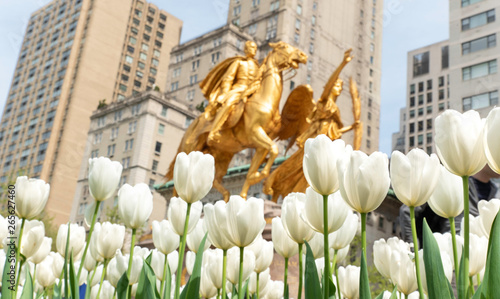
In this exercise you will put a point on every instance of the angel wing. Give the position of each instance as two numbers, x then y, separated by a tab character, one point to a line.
298	107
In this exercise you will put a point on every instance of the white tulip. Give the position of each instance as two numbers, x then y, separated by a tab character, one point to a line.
459	142
57	263
32	238
95	275
104	177
488	210
176	214
344	236
90	263
403	272
109	239
122	266
233	264
207	288
349	281
164	238
31	197
478	253
264	279
313	214
76	239
190	259
382	253
245	220
447	267
107	291
89	213
44	274
274	290
491	140
173	260
414	176
214	266
320	163
157	263
295	227
93	243
364	180
135	205
341	254
42	252
112	272
475	225
4	231
194	238
447	200
214	217
317	246
83	275
283	245
264	253
193	175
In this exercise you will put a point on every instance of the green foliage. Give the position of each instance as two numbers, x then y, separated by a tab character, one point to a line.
491	278
311	279
146	288
73	279
28	287
192	288
364	282
200	107
157	88
437	283
102	104
121	288
6	292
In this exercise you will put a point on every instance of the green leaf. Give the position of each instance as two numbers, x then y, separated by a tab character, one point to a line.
394	294
193	286
7	283
491	279
312	287
168	283
121	287
461	291
285	293
74	283
437	286
364	282
331	289
28	287
57	291
146	289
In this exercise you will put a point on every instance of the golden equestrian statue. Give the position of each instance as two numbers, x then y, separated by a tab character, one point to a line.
243	112
323	118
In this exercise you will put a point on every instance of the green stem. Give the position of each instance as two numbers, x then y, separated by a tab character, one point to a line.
66	259
94	218
21	263
89	281
218	294
164	276
336	269
240	276
415	245
326	249
406	296
257	285
285	278
224	263
181	253
102	276
33	279
454	243
363	242
478	279
130	260
472	290
299	295
18	253
465	180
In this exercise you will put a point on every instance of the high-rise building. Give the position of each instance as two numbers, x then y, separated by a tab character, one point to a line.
428	95
324	30
137	132
474	55
75	54
464	70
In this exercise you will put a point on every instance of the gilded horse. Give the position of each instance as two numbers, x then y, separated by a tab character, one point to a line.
257	127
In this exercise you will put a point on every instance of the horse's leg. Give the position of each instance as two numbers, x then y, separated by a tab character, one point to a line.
260	138
253	172
222	163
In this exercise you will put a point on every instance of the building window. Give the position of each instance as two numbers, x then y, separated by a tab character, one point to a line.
255	3
441	107
131	127
412	113
299	10
479	101
368	131
275	5
101	121
195	64
174	86
179	57
215	57
411	128
139	74
188	121
236	10
420	139
129	144
445	60
252	29
190	95
478	20
412	101
412	88
420	99
469	2
164	110
176	72
368	143
161	129
129	59
111	150
421	64
154	167
479	44
158	147
411	142
369	115
114	133
429	84
313	20
479	70
429	109
421	126
441	81
297	24
135	109
420	86
126	162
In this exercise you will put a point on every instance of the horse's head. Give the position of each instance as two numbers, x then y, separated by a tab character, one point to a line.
286	56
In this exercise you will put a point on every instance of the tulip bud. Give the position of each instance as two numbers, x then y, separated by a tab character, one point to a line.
320	163
414	176
107	291
488	211
96	275
491	140
245	219
313	214
164	238
213	223
4	231
264	253
112	272
122	266
42	252
264	278
135	205
344	236
76	239
109	239
31	197
32	238
459	142
233	264
45	276
193	175
57	263
214	266
295	227
104	177
364	180
196	236
176	214
403	272
190	259
207	288
447	200
283	245
349	281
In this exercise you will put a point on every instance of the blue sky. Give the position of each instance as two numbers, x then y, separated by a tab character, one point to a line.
408	24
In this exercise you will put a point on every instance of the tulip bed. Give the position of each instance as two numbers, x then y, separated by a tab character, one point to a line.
318	225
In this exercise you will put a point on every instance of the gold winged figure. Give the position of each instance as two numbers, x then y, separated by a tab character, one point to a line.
244	111
323	117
